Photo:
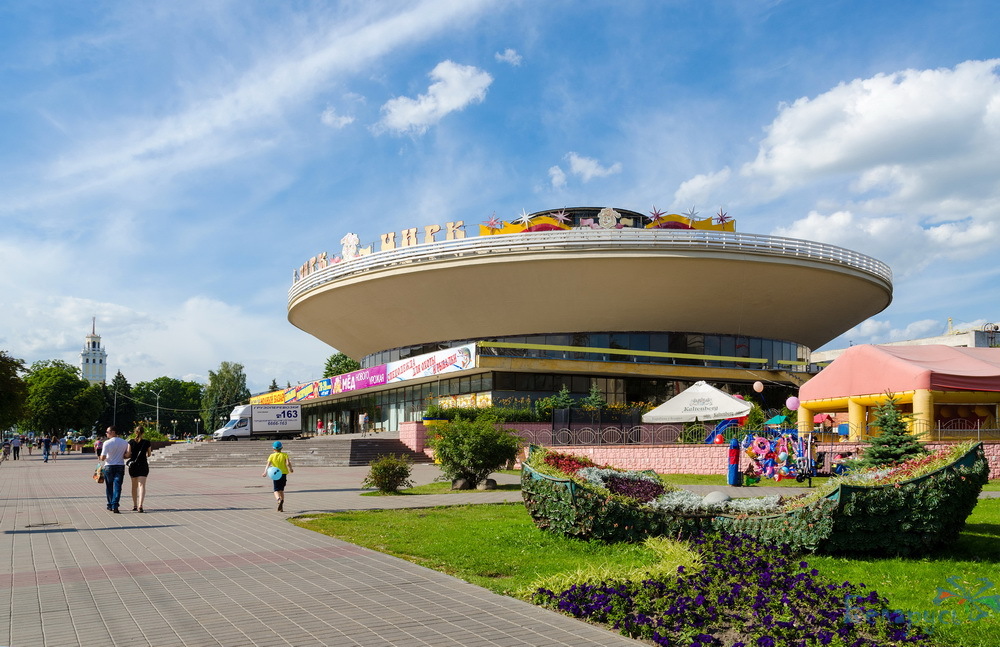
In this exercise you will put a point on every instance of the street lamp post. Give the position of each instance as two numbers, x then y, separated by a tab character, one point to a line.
174	423
197	421
158	408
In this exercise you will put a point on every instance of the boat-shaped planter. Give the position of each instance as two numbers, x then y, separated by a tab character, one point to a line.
908	516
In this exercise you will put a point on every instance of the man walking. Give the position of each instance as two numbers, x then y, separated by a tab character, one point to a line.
15	444
46	447
114	451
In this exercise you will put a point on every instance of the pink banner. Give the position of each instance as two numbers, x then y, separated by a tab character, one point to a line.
362	379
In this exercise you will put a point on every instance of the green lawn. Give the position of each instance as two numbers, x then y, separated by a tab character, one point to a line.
451	539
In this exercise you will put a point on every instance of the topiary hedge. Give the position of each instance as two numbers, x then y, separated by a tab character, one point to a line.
909	509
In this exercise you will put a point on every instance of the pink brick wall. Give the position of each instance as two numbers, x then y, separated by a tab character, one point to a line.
667	459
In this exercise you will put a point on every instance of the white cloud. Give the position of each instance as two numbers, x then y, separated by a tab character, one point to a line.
455	87
922	141
557	177
880	332
509	56
332	119
216	125
702	189
587	168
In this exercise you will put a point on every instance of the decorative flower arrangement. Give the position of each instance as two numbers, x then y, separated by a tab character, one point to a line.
924	506
747	593
639	486
895	475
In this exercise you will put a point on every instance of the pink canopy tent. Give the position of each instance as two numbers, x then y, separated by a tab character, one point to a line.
867	369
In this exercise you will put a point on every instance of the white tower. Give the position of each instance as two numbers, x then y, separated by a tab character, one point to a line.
93	359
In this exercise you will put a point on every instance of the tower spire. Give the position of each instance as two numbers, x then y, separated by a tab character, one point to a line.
93	326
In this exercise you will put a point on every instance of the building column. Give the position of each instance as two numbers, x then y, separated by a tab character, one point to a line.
805	420
923	414
856	418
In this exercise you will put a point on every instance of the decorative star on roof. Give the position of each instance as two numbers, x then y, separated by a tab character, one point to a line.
561	216
721	217
691	213
656	214
525	219
494	222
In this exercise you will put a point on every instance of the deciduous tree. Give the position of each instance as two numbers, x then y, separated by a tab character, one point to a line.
338	364
13	390
58	399
226	388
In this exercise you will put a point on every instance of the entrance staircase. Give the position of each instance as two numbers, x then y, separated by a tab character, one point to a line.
323	451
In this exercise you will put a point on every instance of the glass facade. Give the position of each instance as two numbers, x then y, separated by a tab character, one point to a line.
728	346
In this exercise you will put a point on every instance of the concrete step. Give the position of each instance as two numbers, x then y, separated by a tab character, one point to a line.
329	451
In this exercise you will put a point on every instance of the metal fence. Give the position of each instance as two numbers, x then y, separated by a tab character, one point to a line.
627	431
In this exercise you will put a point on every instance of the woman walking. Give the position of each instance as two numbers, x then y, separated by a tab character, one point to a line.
138	468
283	462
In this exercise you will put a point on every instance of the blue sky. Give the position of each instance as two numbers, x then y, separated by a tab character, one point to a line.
164	166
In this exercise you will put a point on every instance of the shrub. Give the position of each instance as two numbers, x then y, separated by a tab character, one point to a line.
473	449
389	473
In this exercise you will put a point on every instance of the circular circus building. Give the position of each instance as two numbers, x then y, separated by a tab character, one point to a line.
639	306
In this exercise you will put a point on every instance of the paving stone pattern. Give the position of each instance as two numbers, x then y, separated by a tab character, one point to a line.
212	562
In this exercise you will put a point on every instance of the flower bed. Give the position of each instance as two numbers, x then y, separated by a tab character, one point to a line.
909	509
747	593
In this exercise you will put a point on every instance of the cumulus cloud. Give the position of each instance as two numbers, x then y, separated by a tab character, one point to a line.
587	168
924	141
702	188
558	177
455	87
509	56
332	119
880	332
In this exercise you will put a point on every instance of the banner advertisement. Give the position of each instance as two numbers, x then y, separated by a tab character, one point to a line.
459	358
362	379
274	397
484	399
450	360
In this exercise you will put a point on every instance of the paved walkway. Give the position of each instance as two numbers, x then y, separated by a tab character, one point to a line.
212	563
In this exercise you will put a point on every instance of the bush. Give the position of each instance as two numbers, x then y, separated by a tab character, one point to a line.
389	473
473	449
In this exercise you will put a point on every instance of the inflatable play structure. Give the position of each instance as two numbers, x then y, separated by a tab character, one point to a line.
909	509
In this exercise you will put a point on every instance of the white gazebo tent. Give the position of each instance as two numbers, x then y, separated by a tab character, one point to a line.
699	402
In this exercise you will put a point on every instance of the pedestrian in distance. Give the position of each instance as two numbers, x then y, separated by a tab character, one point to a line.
62	445
114	451
283	462
46	448
15	446
138	467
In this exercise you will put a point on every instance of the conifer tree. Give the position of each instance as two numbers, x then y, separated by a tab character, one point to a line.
894	444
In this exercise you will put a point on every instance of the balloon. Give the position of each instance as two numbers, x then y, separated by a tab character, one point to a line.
784	470
758	387
792	403
782	457
273	473
719	439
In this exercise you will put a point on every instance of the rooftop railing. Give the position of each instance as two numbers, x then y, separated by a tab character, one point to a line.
673	240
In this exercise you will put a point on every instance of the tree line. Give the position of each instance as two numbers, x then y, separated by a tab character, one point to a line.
50	397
